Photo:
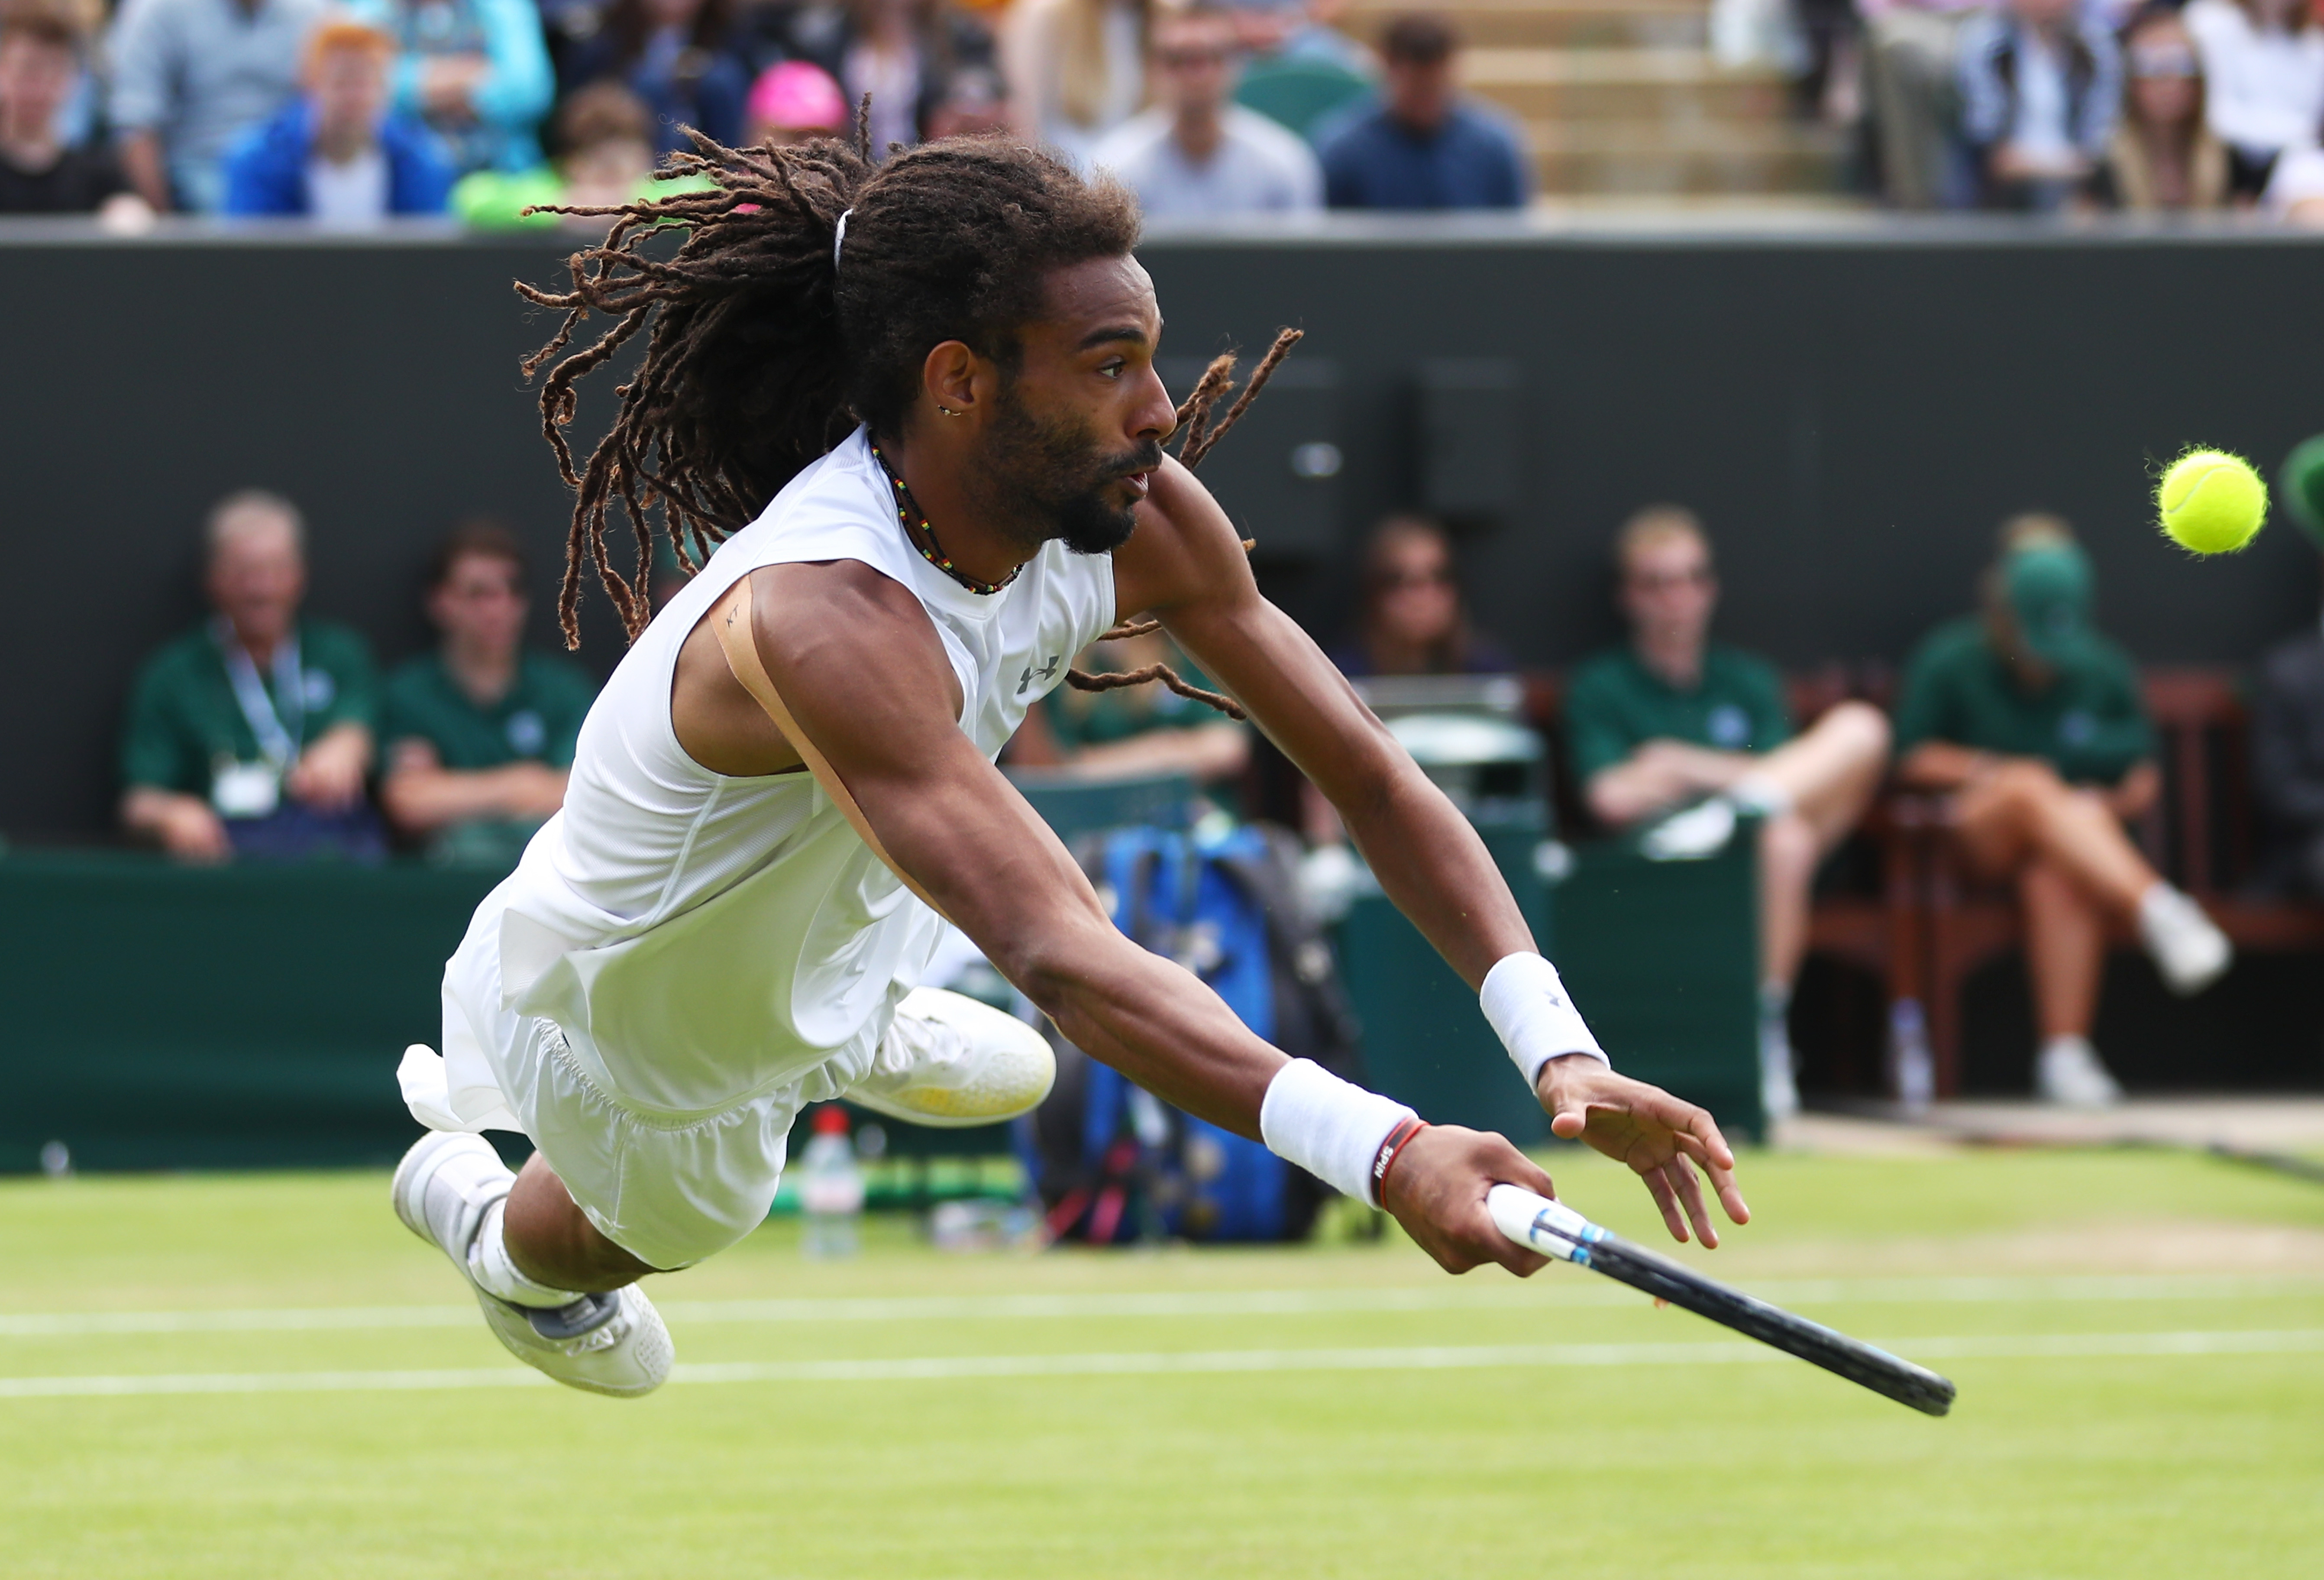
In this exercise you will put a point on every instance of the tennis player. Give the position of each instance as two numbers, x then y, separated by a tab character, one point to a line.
913	403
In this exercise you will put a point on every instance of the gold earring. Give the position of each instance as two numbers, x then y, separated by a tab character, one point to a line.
946	409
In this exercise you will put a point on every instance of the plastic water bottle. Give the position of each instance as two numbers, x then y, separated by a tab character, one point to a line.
1912	1066
831	1187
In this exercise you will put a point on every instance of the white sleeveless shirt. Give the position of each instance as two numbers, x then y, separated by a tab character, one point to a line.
701	939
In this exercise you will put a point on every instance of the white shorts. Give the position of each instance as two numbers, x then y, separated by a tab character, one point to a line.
671	1190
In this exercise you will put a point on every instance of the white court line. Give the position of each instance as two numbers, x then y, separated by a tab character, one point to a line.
1187	1303
1417	1358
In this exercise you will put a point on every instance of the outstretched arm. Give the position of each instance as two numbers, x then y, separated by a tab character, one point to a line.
1186	565
843	671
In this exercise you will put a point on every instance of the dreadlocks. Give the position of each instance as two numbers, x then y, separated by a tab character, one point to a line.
766	343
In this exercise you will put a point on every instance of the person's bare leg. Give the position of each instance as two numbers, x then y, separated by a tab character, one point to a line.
1789	850
1830	769
2024	808
2065	950
553	1242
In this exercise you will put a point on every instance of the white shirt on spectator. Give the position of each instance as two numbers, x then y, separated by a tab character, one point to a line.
347	196
1258	167
2040	131
2262	92
199	72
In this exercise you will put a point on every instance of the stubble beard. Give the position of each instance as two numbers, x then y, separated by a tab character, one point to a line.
1047	479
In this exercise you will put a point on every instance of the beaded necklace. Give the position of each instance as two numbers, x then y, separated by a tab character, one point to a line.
907	508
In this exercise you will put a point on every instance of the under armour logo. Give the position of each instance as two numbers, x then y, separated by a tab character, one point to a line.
1045	674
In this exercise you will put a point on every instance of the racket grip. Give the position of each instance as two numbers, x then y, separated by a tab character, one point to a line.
1539	1224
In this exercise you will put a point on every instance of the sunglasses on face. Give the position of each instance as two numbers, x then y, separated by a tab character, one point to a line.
1403	581
1657	580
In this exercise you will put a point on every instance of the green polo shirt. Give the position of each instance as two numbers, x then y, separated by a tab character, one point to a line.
1614	705
2090	723
184	720
538	720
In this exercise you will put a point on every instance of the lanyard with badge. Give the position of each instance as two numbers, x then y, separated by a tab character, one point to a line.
254	789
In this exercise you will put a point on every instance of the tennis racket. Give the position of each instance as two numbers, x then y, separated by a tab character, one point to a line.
1555	1229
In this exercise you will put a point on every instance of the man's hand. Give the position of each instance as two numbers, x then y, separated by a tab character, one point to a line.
1436	1189
329	775
184	826
1661	1138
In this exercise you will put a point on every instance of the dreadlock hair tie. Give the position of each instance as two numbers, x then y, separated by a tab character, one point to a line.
839	238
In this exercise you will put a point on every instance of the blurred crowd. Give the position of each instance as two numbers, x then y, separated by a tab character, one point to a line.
346	112
2050	106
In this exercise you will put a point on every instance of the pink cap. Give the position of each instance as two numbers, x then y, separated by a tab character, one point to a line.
798	96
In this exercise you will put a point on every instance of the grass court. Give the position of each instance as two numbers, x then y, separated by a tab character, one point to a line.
264	1375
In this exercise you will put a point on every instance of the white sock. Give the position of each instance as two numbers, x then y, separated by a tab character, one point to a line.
496	1275
1756	792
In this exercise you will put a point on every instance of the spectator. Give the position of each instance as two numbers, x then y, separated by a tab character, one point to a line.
338	154
681	57
795	101
2041	85
2031	724
190	78
39	172
1302	70
909	55
2164	154
476	72
975	104
1137	730
1674	717
605	134
251	736
2287	720
1196	153
1413	623
1912	95
1422	145
480	733
2295	189
1075	69
2264	77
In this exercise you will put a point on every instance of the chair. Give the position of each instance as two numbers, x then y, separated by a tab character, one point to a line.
1299	94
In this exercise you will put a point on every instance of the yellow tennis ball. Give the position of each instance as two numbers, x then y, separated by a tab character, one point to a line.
2211	501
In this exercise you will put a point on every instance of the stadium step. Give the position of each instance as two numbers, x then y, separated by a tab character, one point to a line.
1622	99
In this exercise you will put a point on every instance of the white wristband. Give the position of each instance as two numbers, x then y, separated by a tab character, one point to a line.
1538	1021
1330	1127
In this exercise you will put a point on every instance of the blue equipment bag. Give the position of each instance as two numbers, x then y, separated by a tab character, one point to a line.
1112	1162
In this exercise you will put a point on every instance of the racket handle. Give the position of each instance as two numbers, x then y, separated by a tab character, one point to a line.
1539	1224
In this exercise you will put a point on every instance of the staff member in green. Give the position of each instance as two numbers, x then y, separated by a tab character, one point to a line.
1676	718
2034	723
251	736
480	732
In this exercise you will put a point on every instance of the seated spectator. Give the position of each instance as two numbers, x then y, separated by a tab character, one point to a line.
476	72
2288	717
1674	718
1412	620
39	172
190	78
2041	84
1912	98
2032	725
338	154
604	136
1423	145
1196	153
250	736
2295	189
904	53
681	57
2164	155
1076	69
975	104
793	102
2263	81
1136	730
480	733
1303	70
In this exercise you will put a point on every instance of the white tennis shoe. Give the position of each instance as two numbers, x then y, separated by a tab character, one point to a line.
950	1061
611	1343
2187	947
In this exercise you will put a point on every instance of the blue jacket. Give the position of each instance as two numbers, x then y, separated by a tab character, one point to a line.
266	173
1370	161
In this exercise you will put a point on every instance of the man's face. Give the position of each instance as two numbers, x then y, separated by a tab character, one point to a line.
350	92
1668	591
1419	600
1193	56
1420	93
1078	428
257	577
481	607
35	76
